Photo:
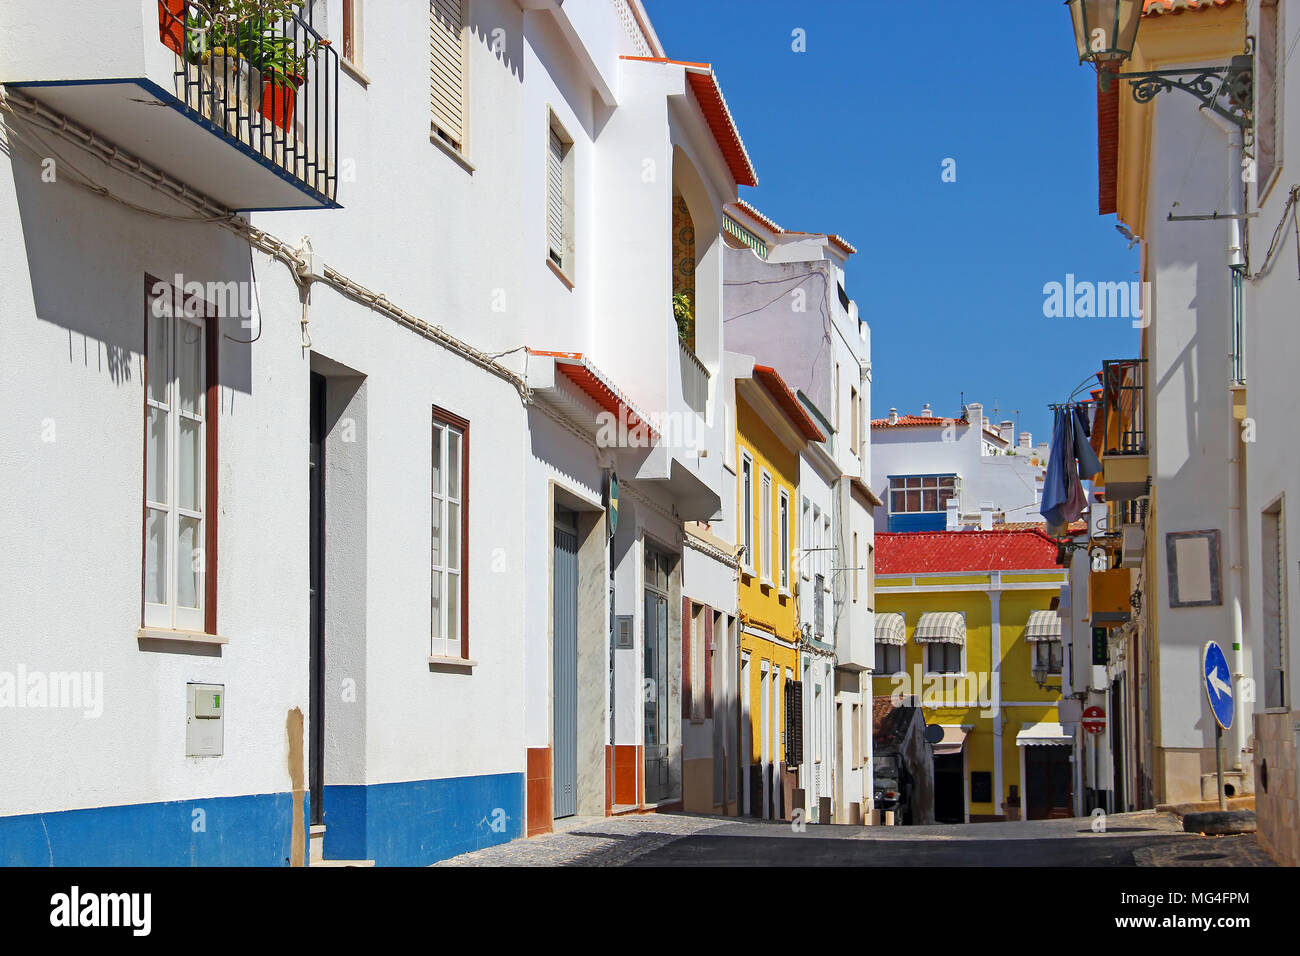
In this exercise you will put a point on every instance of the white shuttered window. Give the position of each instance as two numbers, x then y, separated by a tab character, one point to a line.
447	70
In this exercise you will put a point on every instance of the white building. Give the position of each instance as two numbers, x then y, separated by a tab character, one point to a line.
812	334
343	503
950	474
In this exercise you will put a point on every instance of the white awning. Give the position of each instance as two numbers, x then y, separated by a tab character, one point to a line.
890	629
941	627
954	739
1045	734
1043	626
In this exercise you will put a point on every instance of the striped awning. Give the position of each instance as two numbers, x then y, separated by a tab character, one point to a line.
1043	626
1045	734
941	627
891	629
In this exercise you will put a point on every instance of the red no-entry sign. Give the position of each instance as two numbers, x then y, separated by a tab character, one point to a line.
1094	720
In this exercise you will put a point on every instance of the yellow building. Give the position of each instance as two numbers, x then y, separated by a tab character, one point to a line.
771	428
965	625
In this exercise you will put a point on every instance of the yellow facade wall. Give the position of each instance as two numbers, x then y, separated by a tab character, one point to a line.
970	702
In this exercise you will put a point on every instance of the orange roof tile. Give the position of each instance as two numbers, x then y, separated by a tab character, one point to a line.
708	93
771	380
920	552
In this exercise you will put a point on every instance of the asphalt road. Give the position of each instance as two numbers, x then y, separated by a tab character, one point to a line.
809	850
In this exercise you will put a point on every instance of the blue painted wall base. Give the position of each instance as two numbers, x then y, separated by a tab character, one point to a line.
253	830
419	822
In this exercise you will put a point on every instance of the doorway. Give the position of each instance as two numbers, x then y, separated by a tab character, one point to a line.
949	788
1049	783
657	781
564	658
316	593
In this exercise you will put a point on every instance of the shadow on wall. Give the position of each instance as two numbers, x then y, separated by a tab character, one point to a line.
87	257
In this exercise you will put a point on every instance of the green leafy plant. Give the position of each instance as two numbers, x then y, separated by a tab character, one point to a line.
684	313
252	30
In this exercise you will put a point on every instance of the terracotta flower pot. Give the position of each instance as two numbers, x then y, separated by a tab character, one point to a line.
171	24
279	98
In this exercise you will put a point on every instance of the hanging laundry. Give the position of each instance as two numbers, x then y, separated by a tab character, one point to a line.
1055	492
1089	464
1063	496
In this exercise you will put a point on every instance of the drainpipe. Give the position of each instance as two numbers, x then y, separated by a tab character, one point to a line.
1236	454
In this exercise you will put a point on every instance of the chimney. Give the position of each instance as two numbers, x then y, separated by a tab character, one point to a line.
1026	440
926	412
893	416
1008	430
986	516
975	413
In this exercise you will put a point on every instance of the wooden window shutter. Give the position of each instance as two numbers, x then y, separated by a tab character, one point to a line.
708	663
686	658
793	723
555	197
447	69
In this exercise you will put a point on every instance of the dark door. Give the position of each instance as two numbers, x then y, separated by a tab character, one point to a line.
565	661
949	789
1118	706
1049	783
316	467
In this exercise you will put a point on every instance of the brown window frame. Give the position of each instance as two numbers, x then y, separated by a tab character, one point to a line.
211	409
444	417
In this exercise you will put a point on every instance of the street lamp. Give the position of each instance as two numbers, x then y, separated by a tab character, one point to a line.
1039	672
1105	32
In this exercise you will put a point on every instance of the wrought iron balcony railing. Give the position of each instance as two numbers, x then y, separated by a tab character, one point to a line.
1124	423
269	84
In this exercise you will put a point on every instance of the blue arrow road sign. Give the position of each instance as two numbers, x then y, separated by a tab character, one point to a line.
1218	683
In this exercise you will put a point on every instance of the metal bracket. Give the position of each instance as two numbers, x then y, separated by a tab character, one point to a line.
1234	81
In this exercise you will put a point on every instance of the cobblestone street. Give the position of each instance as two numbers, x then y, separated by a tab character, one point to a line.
674	839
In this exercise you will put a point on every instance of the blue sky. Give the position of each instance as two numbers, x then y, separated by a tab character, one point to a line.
850	137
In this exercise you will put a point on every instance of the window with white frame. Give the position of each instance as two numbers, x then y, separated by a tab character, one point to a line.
828	539
1048	655
747	508
448	71
765	528
853	420
943	657
449	535
921	493
889	658
180	454
784	537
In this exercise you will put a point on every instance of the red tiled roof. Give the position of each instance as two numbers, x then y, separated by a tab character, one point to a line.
771	379
708	93
1154	8
758	217
922	552
596	385
914	421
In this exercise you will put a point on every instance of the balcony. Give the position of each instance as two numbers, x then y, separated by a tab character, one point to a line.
695	379
1126	468
244	112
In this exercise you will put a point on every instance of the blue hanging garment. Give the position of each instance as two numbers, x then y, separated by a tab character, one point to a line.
1055	491
1089	465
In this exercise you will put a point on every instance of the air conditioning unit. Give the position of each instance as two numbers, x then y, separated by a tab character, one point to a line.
1133	545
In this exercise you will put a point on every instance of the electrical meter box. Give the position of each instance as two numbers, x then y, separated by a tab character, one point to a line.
205	720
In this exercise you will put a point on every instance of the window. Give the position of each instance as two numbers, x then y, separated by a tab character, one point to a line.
855	567
698	662
450	535
827	562
1269	66
180	438
856	717
559	197
889	658
835	398
352	32
1273	564
981	786
784	535
853	420
1047	654
765	528
747	508
448	71
942	657
805	538
915	494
